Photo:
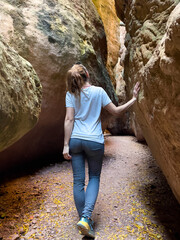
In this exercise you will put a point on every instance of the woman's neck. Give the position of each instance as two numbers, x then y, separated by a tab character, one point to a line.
87	84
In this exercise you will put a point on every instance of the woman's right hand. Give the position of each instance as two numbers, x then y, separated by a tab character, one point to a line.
136	90
66	152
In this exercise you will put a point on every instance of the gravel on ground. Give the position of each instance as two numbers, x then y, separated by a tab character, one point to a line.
134	202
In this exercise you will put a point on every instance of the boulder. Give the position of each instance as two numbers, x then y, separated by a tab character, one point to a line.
20	96
53	35
152	41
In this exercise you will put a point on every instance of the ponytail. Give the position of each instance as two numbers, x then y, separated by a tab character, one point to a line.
75	79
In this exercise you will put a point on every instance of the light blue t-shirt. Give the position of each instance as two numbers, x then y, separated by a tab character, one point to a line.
87	123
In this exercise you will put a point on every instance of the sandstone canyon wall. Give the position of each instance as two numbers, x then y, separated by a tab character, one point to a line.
20	96
53	35
153	58
107	12
115	36
121	125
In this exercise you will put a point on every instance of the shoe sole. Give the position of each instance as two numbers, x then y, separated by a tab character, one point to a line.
84	230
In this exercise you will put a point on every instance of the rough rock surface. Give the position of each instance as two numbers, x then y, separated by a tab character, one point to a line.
53	35
153	59
119	69
122	124
20	96
107	11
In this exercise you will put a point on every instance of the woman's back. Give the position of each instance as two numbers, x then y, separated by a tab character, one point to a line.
87	109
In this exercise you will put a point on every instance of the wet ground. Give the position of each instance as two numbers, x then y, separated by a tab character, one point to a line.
134	202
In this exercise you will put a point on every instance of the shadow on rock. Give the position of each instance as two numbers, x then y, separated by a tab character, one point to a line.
86	238
160	199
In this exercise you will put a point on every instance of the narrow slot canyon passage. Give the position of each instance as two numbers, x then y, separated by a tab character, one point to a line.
134	202
117	44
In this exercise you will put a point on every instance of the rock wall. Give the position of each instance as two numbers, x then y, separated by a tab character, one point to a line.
53	35
115	45
120	125
20	96
119	69
153	58
107	11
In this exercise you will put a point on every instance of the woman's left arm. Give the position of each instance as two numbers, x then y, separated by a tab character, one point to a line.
116	111
68	127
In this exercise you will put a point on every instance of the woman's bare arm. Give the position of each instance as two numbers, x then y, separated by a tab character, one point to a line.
68	127
116	111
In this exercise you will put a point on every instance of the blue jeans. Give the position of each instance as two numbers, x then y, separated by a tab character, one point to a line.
93	152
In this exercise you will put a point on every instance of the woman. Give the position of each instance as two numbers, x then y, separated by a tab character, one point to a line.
84	138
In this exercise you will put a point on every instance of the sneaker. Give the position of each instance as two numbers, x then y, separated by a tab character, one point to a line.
80	232
92	223
85	227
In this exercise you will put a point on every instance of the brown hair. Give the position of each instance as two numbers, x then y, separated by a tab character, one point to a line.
75	79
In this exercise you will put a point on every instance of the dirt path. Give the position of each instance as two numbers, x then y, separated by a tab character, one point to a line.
134	202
